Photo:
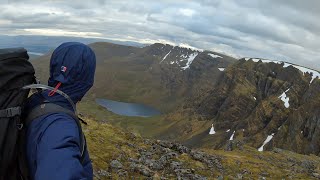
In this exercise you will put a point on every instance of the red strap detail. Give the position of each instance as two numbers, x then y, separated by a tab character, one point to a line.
51	93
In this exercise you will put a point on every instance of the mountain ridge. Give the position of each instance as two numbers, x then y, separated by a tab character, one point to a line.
255	93
251	106
143	75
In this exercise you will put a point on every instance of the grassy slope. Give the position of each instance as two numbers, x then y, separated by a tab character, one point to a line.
147	127
107	142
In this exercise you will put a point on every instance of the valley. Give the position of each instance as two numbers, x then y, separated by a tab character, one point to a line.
263	112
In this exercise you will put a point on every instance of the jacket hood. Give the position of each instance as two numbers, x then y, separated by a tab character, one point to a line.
73	64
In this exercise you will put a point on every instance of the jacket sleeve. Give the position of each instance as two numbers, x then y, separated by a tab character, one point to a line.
58	151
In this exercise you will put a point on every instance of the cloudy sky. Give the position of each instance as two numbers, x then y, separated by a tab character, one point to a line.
276	29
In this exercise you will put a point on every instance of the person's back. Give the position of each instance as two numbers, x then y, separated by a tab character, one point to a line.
53	141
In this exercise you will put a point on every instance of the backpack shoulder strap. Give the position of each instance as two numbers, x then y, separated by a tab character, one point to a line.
51	108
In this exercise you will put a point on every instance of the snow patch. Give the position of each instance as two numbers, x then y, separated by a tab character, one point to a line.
301	132
304	70
285	99
231	138
183	56
228	130
212	130
266	142
165	56
184	45
35	53
263	60
254	98
172	62
255	60
221	69
214	55
190	60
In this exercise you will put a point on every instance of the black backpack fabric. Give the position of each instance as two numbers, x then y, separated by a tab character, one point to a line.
15	72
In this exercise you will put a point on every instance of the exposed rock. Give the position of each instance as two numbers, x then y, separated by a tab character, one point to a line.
188	174
131	145
165	158
316	175
122	173
248	97
308	165
115	164
154	165
277	150
211	161
239	176
220	178
143	170
175	165
229	146
103	173
166	144
134	160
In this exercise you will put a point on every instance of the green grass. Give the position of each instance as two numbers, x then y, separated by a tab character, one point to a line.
107	142
274	165
146	126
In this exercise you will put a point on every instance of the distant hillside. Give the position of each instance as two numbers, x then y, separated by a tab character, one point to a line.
226	113
44	44
255	101
119	154
158	75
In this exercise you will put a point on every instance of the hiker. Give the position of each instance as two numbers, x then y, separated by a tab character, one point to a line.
53	141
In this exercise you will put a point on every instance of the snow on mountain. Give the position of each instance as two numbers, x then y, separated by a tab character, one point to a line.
304	70
35	53
221	69
266	142
315	74
231	138
214	55
212	131
183	45
165	56
285	99
190	60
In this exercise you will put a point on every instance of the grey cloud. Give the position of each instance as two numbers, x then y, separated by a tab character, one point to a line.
267	28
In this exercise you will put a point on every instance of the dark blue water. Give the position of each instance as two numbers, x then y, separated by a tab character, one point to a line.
128	109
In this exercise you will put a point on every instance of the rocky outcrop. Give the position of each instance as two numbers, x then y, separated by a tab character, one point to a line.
122	155
257	99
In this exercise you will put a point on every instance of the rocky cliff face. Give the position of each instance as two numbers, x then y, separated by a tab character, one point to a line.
255	99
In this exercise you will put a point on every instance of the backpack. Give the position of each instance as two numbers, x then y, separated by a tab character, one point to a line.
47	108
15	72
16	80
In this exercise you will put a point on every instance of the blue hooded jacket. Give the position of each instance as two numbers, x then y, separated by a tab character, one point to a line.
53	142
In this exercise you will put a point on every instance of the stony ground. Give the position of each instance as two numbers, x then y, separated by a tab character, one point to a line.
117	154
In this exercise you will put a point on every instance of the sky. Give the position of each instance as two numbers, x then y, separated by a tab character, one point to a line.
274	29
